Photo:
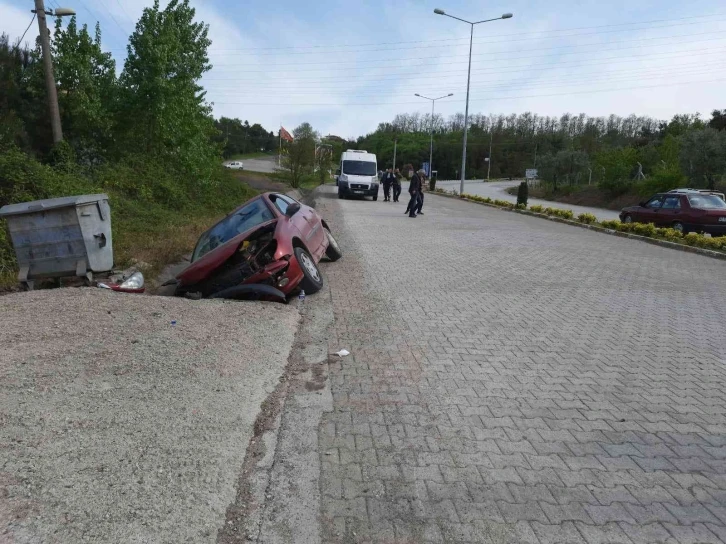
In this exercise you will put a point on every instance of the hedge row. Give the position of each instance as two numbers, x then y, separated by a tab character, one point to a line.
641	229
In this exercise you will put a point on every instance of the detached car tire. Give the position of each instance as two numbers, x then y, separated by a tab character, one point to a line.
312	281
333	252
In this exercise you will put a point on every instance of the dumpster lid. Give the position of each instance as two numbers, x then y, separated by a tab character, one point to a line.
49	204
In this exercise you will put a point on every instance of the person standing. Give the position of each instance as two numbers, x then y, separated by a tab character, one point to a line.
388	178
414	189
421	195
396	185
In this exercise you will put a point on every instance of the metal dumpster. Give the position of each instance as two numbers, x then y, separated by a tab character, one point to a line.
69	236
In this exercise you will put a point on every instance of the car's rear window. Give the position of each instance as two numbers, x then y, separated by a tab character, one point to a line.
706	202
253	214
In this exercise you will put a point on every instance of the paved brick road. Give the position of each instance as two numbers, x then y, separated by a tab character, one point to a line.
518	380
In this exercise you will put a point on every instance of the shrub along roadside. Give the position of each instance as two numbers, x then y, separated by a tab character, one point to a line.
641	229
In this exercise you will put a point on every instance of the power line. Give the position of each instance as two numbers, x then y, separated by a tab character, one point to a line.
501	87
497	89
427	64
514	35
489	99
448	85
95	16
480	41
488	53
629	58
108	11
20	41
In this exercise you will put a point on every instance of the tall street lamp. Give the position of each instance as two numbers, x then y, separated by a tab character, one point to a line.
468	81
431	144
55	122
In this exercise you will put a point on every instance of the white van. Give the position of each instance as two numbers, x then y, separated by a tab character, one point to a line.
358	174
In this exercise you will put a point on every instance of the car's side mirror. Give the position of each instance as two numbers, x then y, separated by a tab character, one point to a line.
292	209
337	172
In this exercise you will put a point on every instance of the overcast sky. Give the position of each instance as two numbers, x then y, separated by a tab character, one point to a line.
346	66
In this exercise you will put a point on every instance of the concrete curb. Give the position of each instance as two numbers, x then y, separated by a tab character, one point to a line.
653	241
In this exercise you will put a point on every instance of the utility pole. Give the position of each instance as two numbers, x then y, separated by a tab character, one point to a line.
489	163
55	122
535	155
395	144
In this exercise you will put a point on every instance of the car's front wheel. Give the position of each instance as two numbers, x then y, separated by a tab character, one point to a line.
628	219
333	252
312	281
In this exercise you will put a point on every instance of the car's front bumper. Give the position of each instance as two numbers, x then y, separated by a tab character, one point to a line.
357	189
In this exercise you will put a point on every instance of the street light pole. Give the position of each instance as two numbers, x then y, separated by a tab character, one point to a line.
55	122
431	143
468	83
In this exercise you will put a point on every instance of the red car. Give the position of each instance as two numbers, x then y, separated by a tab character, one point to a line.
267	248
686	210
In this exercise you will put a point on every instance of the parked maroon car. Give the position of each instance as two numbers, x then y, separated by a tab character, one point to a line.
686	210
267	248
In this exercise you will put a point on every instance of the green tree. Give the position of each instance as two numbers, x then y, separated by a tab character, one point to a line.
298	157
703	155
718	120
87	88
23	108
565	166
162	109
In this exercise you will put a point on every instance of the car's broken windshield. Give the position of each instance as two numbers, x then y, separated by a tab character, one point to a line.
255	213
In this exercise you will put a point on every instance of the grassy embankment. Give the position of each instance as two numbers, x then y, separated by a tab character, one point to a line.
156	215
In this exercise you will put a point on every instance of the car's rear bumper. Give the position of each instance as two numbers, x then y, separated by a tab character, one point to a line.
710	229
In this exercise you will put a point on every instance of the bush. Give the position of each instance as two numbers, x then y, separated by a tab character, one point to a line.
672	235
692	239
587	218
612	224
644	229
565	214
661	181
616	187
522	194
537	208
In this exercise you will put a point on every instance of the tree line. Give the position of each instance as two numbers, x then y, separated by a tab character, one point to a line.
571	149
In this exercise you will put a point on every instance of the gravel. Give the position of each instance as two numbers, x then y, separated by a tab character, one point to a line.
117	426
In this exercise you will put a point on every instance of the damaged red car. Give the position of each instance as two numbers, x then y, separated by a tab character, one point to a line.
268	248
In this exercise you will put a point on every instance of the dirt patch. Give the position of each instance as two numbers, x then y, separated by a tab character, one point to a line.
125	418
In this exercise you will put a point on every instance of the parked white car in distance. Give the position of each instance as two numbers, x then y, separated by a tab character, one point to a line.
235	165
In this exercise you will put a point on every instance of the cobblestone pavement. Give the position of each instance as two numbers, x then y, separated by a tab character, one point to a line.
519	380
